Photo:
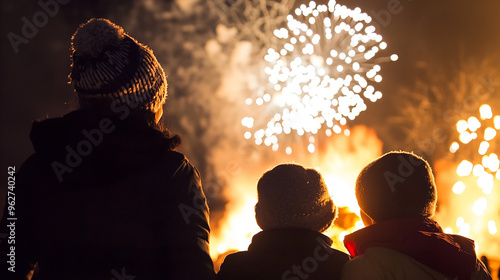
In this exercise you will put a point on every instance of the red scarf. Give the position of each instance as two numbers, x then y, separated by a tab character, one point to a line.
419	238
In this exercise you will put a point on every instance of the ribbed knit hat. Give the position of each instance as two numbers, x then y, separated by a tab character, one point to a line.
111	68
396	185
291	196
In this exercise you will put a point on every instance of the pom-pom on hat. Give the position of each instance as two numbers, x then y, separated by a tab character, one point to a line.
396	185
291	196
111	68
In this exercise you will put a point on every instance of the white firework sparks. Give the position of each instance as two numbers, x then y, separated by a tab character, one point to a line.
321	76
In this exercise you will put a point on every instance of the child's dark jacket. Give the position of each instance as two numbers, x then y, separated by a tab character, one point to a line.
285	254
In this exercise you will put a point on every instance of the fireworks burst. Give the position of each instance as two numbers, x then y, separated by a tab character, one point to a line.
321	76
482	163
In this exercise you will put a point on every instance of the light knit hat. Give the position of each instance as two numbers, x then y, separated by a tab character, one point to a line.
291	196
111	68
396	185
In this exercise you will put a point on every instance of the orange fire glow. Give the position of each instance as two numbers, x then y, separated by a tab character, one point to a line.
467	210
469	190
340	161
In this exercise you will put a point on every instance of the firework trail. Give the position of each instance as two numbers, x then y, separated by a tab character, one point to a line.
320	77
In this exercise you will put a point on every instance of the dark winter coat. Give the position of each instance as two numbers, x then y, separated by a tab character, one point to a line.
291	254
104	198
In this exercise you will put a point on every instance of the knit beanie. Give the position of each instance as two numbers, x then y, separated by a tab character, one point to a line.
291	196
396	185
110	69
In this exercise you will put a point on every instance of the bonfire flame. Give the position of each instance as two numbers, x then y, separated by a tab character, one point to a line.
339	161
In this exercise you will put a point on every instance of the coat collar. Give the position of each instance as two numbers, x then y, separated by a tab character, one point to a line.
420	238
274	239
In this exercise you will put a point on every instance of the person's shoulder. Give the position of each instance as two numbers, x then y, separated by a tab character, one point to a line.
384	263
361	267
237	257
173	160
234	265
177	157
481	272
339	255
180	163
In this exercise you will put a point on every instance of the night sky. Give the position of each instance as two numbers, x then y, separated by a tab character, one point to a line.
425	34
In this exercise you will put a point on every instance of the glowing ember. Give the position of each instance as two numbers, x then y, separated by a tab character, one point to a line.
475	190
321	76
459	187
492	227
489	163
464	168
